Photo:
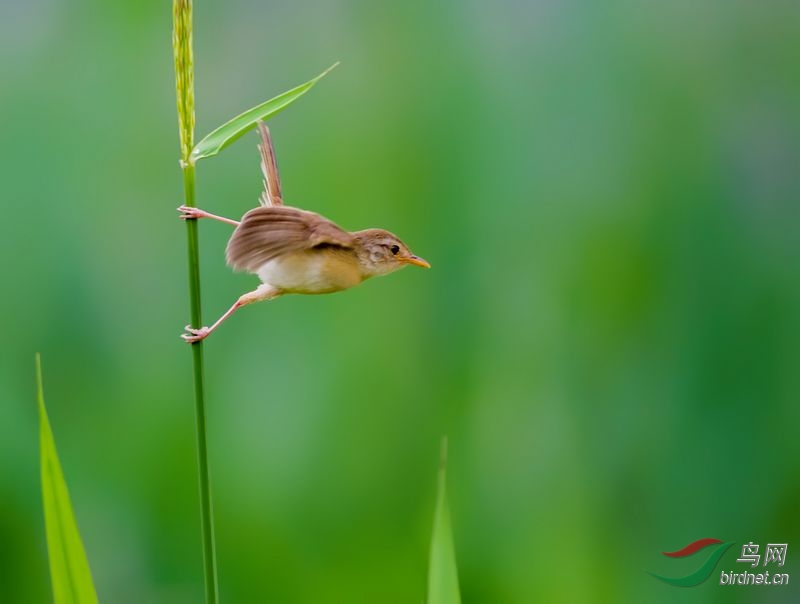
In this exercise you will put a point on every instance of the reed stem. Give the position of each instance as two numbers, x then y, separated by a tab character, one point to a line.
184	84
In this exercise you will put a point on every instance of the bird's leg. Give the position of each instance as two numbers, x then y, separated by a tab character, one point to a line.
189	212
262	292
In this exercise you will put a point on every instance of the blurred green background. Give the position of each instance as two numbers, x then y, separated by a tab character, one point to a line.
608	193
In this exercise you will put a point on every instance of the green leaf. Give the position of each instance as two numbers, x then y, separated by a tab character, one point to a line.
238	126
69	569
443	572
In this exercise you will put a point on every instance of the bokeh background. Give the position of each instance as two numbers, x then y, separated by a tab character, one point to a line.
608	193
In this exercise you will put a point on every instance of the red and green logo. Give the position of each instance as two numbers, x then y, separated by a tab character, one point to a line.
705	570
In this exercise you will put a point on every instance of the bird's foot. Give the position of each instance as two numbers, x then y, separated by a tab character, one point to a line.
189	212
195	334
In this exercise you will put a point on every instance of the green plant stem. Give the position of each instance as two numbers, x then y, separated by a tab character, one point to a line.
184	89
206	510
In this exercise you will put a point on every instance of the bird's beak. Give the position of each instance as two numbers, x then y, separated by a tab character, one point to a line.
416	261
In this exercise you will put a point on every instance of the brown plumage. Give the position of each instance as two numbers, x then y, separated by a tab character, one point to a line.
271	195
294	251
269	232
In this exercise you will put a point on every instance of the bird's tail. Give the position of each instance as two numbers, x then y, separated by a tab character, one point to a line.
271	195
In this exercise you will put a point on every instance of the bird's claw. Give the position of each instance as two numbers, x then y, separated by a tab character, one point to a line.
195	334
189	212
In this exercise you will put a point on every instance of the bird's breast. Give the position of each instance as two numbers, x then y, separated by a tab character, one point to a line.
312	272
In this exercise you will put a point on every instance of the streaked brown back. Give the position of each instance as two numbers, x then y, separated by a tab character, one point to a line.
268	232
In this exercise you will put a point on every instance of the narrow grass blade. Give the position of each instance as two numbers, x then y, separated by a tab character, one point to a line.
69	569
238	126
443	572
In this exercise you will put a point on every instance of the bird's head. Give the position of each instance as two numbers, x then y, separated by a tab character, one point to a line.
382	252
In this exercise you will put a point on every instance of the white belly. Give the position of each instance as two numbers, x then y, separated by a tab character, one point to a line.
313	272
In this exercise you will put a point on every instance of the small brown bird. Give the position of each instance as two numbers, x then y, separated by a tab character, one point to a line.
298	252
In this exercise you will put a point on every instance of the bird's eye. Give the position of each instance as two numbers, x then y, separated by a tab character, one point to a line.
395	249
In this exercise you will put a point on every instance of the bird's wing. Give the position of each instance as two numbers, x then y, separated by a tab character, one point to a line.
266	233
271	195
